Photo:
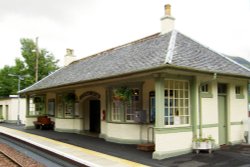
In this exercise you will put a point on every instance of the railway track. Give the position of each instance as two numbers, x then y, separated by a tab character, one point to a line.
28	152
6	161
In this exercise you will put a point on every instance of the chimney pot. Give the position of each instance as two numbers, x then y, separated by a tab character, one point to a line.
168	10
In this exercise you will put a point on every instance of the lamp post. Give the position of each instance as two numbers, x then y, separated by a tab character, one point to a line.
19	82
36	50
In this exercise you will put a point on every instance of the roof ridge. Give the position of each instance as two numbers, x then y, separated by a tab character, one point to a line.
220	54
233	61
171	46
118	47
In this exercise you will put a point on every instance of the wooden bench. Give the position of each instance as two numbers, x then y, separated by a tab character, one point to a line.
146	147
43	122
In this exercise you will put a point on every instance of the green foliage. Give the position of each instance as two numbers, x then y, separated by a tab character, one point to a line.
69	98
6	82
123	93
204	139
25	66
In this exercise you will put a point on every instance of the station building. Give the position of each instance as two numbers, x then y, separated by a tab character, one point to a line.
165	88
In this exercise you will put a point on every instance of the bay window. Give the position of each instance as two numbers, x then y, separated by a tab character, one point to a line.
176	106
37	105
125	102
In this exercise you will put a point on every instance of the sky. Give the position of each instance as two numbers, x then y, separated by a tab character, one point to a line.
92	26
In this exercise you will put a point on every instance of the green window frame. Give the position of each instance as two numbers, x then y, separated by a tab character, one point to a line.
177	102
124	110
37	105
65	105
239	92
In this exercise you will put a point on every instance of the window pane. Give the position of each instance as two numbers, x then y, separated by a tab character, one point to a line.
176	102
37	105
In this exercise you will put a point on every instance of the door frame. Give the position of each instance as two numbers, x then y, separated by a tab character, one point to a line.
225	115
98	130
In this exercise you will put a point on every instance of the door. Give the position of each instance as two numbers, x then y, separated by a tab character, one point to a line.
94	116
222	109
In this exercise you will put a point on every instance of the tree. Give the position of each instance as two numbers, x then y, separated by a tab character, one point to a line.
7	86
47	62
25	66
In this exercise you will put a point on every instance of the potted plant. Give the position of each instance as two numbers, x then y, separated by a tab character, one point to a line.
1	118
122	94
37	99
203	143
70	98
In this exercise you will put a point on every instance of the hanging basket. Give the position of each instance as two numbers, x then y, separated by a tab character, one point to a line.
122	94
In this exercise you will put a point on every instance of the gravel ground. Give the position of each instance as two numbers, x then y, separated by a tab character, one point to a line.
9	157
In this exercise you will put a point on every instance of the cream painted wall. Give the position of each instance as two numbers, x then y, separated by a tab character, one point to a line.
237	133
133	132
69	124
209	105
13	109
238	108
171	142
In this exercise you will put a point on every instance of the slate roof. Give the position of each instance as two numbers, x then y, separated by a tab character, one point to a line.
147	53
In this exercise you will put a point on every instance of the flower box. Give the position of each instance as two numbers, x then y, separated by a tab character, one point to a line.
197	146
203	144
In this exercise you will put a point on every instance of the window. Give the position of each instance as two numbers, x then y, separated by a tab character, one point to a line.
132	105
1	110
204	88
51	107
239	92
152	106
66	105
176	102
222	89
36	105
7	111
125	102
206	91
60	106
117	110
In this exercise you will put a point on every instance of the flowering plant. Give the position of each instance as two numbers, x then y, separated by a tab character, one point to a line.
203	139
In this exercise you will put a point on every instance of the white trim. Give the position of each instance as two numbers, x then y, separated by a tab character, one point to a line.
171	46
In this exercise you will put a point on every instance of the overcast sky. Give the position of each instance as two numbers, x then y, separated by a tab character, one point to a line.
91	26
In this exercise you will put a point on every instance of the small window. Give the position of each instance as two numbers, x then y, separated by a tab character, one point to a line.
206	91
205	88
222	89
238	90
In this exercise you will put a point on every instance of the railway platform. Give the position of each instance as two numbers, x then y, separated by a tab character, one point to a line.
93	151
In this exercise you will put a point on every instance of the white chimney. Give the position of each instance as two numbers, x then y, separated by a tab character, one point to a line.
167	21
69	57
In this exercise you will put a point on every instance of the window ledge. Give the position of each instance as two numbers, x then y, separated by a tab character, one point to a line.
240	96
206	95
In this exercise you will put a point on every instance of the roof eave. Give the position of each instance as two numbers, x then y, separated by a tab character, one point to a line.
161	67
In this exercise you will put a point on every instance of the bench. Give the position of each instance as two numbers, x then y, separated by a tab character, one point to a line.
43	122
